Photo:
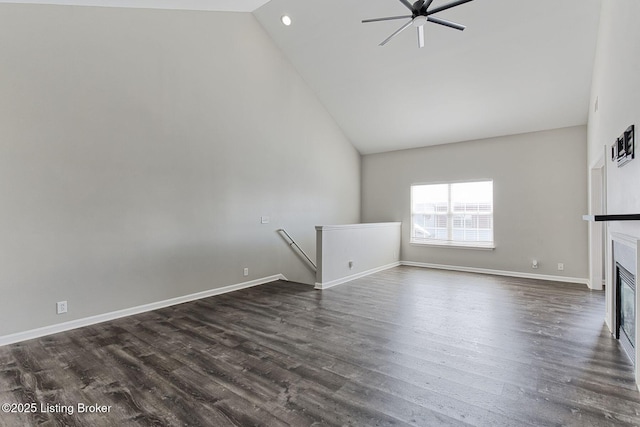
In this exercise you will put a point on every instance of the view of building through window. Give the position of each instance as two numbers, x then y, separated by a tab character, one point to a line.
453	213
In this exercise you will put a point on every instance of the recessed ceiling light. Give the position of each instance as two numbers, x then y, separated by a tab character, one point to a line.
286	20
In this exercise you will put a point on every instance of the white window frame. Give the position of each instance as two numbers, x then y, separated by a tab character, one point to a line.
449	242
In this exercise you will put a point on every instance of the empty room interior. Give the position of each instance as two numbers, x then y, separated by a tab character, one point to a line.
285	212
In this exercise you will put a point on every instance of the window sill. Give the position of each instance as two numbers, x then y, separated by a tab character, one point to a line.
455	245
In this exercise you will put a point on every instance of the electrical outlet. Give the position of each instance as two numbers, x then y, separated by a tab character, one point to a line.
534	263
61	307
264	220
245	271
350	265
560	266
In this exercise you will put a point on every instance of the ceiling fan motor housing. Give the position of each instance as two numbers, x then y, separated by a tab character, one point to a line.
419	9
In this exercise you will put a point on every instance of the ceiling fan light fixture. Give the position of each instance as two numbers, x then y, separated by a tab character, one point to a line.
419	21
286	20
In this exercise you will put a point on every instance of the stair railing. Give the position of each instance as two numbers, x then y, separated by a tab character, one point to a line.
292	243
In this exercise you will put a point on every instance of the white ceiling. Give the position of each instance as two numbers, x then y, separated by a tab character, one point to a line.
520	66
214	5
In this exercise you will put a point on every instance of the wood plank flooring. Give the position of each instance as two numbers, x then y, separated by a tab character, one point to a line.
407	346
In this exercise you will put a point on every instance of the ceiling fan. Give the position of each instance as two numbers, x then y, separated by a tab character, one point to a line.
420	15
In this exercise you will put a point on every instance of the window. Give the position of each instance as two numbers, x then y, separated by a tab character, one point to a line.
454	214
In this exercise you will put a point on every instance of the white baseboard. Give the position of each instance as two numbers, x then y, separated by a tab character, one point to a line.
326	285
78	323
565	279
609	327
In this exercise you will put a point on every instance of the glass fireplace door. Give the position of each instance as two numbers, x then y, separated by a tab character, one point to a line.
627	310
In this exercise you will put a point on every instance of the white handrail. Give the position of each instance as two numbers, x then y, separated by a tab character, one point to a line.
293	243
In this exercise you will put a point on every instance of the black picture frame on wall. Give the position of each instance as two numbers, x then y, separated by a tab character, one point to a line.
623	150
629	141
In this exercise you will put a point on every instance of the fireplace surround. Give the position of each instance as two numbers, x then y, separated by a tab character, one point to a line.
622	296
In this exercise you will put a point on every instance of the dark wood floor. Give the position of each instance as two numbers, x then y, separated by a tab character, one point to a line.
407	346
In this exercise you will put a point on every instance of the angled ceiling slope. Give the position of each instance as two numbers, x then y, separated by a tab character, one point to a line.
212	5
518	67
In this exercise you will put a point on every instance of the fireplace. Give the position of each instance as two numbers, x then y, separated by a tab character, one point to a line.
626	310
622	297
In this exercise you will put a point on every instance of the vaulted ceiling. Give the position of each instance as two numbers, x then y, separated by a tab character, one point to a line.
520	66
211	5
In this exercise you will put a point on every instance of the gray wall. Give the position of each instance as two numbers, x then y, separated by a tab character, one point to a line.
140	148
540	194
616	86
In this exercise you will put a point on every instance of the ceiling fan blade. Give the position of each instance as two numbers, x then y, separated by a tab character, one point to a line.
389	18
406	3
401	29
448	6
446	23
426	5
421	36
